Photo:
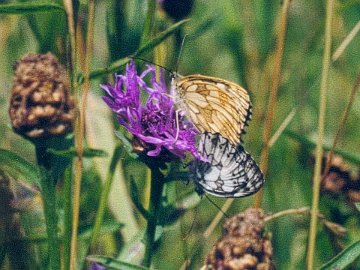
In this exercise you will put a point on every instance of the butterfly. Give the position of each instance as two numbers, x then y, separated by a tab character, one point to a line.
214	105
229	171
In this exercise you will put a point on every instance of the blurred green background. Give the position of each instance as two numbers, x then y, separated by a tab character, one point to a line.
233	40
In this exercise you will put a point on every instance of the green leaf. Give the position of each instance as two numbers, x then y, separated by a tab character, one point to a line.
18	167
126	143
169	215
204	26
344	258
159	38
111	263
110	69
134	193
30	7
357	205
146	48
71	152
108	227
149	22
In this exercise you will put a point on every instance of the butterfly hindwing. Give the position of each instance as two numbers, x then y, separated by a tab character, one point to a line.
230	170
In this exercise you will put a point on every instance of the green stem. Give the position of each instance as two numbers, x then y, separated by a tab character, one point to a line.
48	194
79	134
321	125
67	217
157	185
104	196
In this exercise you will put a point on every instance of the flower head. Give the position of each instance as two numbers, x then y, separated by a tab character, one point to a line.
41	105
95	266
243	245
153	123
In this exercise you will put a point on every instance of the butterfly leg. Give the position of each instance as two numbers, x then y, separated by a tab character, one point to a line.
177	124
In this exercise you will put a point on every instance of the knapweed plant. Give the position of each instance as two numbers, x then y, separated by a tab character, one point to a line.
102	168
158	136
156	131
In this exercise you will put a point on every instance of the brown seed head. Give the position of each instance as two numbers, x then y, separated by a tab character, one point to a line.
337	179
41	105
243	245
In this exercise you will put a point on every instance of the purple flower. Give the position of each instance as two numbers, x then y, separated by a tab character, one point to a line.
153	124
95	266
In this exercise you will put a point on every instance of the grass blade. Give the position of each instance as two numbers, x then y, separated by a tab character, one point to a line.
111	263
18	167
30	7
147	47
344	258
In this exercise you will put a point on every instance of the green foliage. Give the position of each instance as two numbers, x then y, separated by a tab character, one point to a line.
148	46
111	263
234	40
18	167
344	258
30	7
71	153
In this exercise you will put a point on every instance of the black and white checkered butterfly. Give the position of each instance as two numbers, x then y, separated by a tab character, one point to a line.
230	170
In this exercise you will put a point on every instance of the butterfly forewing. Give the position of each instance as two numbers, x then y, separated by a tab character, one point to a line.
215	105
230	170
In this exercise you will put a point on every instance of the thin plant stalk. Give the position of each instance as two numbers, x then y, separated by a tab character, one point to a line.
69	250
321	124
264	158
67	217
282	127
104	196
346	42
297	211
331	226
48	193
157	185
341	126
79	133
217	218
72	59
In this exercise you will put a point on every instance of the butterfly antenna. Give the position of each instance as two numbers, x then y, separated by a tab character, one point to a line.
218	207
181	49
152	63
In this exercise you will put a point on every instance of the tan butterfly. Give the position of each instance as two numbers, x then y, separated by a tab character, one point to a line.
214	105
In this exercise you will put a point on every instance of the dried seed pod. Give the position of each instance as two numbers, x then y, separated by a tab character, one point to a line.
243	245
41	105
353	195
338	176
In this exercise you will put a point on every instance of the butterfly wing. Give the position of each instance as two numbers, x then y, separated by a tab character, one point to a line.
229	172
215	105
